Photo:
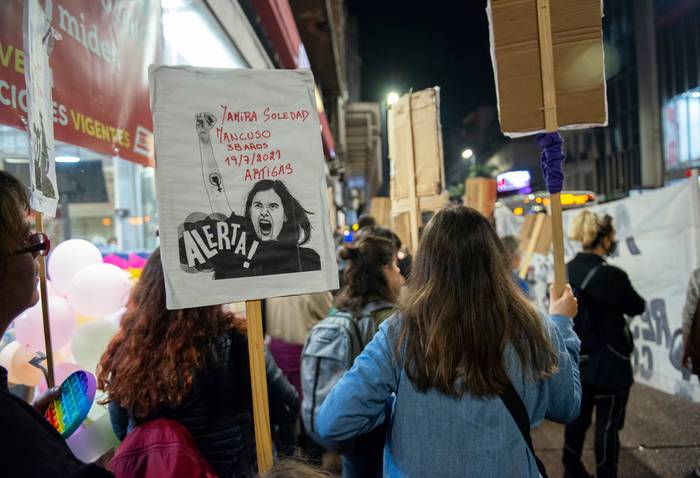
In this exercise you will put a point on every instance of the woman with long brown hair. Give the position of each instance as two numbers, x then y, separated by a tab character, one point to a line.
189	365
464	336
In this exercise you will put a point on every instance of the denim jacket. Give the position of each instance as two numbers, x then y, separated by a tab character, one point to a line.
432	434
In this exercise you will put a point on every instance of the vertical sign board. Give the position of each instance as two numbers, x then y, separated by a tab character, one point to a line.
550	74
241	190
38	42
579	70
242	197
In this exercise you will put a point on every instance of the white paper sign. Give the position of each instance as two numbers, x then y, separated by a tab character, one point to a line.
241	187
38	38
659	234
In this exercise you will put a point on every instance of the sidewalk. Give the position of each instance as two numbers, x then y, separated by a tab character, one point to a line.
661	438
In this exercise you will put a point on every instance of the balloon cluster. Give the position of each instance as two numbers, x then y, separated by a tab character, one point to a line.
86	301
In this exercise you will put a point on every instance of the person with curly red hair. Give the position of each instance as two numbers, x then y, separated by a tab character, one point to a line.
191	366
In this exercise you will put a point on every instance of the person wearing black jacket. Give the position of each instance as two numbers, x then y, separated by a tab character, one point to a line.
607	296
30	445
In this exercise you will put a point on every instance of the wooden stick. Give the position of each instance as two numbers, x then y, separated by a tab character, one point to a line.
549	96
45	307
549	90
558	243
258	381
414	209
531	245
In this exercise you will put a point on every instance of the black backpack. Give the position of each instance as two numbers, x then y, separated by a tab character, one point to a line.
584	323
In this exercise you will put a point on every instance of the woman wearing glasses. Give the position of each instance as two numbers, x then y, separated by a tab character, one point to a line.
35	449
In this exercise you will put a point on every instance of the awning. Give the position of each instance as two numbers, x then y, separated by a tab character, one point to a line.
277	19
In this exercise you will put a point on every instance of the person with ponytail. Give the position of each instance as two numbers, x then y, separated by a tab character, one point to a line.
605	296
372	282
439	369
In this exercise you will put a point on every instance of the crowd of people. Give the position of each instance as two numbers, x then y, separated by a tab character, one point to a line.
437	368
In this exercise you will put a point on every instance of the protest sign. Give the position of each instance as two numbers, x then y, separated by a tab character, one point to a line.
480	194
550	75
417	176
659	236
99	73
241	190
38	42
578	68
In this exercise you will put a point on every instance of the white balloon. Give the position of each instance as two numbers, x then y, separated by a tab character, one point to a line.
90	342
68	258
99	290
116	318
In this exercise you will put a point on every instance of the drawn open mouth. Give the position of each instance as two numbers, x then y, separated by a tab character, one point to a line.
265	227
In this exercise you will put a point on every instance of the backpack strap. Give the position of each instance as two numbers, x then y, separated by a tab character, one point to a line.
356	330
517	410
376	306
591	274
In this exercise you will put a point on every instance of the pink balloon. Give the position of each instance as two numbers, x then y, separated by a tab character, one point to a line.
136	261
116	261
29	328
60	373
99	290
68	259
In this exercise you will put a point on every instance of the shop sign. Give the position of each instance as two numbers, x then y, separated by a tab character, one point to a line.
99	72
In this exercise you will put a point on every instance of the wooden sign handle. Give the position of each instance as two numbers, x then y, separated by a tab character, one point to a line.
531	245
414	211
558	243
45	307
549	95
258	381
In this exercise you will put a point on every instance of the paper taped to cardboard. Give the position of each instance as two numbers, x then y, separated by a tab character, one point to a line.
242	196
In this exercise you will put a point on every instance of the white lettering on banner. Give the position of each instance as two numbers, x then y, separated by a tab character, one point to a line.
88	36
658	233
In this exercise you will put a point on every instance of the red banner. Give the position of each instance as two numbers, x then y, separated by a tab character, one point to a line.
100	73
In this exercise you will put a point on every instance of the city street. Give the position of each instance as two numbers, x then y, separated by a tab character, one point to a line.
661	438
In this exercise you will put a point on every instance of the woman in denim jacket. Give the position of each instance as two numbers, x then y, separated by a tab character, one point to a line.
436	369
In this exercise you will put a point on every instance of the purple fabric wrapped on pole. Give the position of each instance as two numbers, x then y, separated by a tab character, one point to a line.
552	160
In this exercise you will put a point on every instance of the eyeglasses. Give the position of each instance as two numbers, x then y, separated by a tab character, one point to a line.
39	244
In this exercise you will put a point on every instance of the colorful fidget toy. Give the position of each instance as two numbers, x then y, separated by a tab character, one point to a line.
77	394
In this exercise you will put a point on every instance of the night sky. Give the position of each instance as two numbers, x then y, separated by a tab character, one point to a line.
406	44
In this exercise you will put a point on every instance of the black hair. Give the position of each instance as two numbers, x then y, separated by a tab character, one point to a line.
297	227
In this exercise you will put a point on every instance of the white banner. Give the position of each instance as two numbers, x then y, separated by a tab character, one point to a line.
38	41
659	236
241	187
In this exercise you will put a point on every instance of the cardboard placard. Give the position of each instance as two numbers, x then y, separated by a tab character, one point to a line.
401	225
424	133
380	208
242	198
579	71
480	194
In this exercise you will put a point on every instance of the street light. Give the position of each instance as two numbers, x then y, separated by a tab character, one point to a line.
467	153
392	98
